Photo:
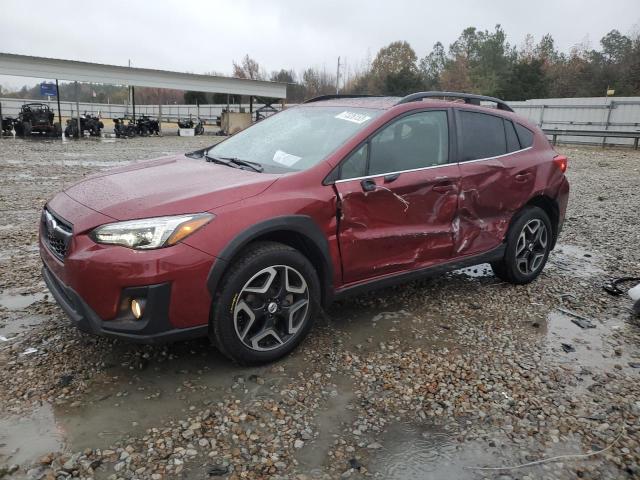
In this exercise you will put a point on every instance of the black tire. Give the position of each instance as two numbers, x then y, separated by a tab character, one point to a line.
26	129
254	259
56	131
510	268
71	131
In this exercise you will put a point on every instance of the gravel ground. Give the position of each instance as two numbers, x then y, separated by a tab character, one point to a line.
435	378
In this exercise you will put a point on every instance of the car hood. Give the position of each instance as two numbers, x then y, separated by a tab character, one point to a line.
167	186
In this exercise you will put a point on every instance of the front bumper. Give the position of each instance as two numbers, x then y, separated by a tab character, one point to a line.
95	283
153	327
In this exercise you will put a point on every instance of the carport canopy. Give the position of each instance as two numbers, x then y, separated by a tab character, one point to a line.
40	67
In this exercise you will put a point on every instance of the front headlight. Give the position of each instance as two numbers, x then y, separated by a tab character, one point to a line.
149	233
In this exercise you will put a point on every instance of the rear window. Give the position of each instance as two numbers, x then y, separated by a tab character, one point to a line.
483	136
513	143
525	135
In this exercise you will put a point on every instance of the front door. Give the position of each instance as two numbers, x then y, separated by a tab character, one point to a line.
398	197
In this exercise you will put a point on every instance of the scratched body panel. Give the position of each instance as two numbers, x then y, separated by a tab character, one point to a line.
400	225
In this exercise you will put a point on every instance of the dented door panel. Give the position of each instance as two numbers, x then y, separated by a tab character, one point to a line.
491	192
400	225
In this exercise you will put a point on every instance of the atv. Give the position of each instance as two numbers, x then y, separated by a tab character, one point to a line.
124	131
36	118
8	125
147	126
88	123
189	123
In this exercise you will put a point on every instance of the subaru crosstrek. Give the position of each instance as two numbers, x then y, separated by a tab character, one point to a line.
246	240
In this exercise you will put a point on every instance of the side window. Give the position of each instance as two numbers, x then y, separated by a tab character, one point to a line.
482	135
356	165
415	141
512	139
525	135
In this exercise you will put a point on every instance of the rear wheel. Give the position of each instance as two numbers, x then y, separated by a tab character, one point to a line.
56	131
266	304
528	245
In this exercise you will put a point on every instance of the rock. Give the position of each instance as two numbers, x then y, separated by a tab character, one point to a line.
298	443
217	470
65	380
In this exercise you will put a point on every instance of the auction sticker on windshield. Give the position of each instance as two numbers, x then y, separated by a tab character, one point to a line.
354	117
285	158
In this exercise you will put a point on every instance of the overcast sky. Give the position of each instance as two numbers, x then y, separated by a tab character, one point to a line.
204	36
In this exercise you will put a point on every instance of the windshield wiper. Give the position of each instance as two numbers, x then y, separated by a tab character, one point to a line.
235	162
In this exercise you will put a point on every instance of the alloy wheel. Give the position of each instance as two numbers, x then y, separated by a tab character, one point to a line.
271	308
531	247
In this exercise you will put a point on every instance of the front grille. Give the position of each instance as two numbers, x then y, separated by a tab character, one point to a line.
56	234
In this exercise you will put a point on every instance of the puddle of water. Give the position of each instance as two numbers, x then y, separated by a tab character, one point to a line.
126	401
15	326
477	271
20	302
424	451
432	452
365	328
330	420
25	439
577	261
593	347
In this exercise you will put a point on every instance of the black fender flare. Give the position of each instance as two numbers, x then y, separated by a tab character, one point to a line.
299	224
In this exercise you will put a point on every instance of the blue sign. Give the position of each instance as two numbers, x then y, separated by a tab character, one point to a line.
48	89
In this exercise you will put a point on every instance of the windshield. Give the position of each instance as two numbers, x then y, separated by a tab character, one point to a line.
295	139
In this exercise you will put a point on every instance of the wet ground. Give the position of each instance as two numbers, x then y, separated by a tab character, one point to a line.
428	380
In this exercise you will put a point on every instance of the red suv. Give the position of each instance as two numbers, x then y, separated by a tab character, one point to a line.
246	240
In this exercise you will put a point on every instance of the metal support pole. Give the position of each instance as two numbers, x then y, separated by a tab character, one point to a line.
133	102
78	110
541	121
160	118
58	97
606	123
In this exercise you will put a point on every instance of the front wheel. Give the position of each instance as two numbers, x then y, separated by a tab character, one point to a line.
266	304
26	129
528	245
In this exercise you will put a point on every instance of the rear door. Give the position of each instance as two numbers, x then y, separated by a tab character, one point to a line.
498	178
398	198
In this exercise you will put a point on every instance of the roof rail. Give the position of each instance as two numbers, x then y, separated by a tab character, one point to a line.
467	97
331	97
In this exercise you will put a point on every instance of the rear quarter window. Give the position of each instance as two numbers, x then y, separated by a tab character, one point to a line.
525	135
513	144
483	135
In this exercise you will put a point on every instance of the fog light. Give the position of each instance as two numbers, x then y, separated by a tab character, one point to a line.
137	307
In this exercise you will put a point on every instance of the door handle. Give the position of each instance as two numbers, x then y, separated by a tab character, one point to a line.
368	185
391	177
444	187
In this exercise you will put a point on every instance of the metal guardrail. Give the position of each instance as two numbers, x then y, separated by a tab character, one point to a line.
556	132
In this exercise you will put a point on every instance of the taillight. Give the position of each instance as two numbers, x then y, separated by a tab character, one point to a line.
561	161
